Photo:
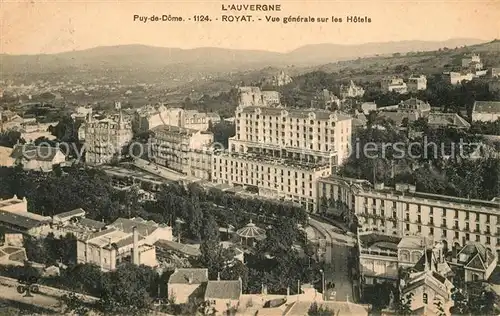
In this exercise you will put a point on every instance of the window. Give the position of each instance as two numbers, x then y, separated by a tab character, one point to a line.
425	298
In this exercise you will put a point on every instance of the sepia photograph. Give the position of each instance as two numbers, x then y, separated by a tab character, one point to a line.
258	158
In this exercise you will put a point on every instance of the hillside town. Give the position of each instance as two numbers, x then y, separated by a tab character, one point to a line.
280	208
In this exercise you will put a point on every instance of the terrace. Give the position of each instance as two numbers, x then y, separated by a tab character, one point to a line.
261	158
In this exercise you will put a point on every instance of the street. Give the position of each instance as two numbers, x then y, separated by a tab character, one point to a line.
337	247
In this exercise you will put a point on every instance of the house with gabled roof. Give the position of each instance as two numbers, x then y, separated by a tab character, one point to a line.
223	295
39	158
477	261
486	111
187	283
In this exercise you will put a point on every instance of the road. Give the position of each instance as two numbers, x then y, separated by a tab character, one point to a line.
46	302
337	247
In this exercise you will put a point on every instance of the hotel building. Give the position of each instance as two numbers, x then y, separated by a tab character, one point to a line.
105	139
401	211
149	117
182	149
282	152
253	96
351	91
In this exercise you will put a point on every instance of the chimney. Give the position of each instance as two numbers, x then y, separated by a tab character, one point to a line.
135	259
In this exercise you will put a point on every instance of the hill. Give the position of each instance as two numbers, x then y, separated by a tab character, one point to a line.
197	63
366	69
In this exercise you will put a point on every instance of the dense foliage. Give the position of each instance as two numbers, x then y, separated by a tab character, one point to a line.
433	161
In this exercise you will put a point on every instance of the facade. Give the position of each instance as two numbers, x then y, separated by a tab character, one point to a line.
270	177
378	257
417	83
394	85
351	91
280	153
39	158
472	62
223	296
428	288
184	284
125	240
310	135
457	77
401	211
486	111
182	149
105	139
253	96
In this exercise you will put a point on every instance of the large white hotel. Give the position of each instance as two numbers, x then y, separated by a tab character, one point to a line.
281	151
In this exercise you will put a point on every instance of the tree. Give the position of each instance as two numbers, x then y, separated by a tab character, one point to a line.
404	305
74	305
316	310
211	251
127	290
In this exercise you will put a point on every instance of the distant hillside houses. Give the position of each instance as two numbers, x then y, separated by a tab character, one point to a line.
351	91
394	84
281	79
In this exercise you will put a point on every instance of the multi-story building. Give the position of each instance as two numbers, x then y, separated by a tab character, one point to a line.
495	72
124	240
419	107
401	211
417	83
281	152
82	114
278	178
253	96
351	91
181	148
149	117
307	134
105	139
394	84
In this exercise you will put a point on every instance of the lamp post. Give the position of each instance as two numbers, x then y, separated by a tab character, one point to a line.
323	283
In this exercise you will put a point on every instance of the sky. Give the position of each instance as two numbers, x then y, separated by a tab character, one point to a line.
44	27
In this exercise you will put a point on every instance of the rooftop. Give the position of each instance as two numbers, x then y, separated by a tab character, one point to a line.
446	119
107	237
19	220
414	242
32	152
144	228
175	246
174	130
189	276
492	107
230	290
70	214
